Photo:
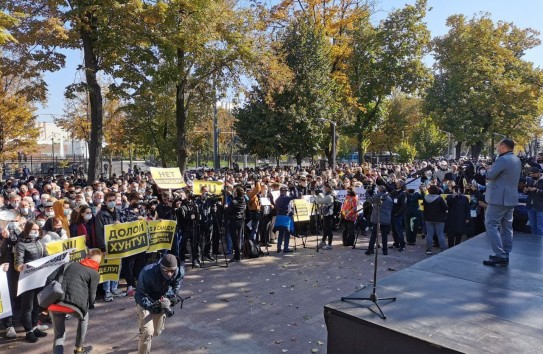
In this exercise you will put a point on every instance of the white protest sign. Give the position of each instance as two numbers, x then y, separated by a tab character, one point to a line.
5	302
35	273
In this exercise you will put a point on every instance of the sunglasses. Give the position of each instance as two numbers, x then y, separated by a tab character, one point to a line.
168	270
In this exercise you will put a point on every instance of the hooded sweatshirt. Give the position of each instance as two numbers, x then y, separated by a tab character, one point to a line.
435	208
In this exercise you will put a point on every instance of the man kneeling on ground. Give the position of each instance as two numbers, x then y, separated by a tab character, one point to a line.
156	295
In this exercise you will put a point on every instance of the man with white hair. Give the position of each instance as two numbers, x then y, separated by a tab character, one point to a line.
442	170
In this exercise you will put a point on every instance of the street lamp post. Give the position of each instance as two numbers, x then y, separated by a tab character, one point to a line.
333	140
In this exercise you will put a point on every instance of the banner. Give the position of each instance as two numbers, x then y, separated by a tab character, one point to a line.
167	178
341	194
126	239
110	270
5	302
75	243
35	273
214	187
414	184
161	234
302	210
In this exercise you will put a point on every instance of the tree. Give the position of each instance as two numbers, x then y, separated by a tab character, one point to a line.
6	21
406	152
482	85
387	57
18	131
428	141
173	46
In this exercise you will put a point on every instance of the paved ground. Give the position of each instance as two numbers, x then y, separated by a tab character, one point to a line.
272	304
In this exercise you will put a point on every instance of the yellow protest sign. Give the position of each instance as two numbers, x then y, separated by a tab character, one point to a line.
214	187
110	270
126	239
168	178
161	234
302	210
77	243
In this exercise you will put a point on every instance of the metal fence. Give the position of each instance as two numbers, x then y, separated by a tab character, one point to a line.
45	165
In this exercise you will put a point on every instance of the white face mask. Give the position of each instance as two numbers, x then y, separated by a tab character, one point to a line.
40	222
98	201
24	211
33	234
50	214
87	217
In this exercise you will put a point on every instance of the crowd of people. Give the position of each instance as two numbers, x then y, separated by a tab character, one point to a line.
437	201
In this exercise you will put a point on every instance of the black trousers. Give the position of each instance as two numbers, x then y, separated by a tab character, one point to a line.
132	267
327	224
235	226
385	229
30	310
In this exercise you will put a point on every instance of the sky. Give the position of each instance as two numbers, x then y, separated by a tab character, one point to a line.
522	13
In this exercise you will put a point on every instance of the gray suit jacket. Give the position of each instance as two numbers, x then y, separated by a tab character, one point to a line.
502	180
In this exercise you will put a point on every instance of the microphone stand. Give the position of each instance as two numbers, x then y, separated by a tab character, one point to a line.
373	296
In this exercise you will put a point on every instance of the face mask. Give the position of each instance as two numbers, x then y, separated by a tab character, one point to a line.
111	205
87	217
36	197
482	172
444	185
24	211
50	214
67	212
115	190
33	234
14	205
40	222
98	201
58	231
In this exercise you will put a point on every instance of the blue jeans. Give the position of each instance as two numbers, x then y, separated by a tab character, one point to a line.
499	229
110	285
438	228
284	235
255	220
536	221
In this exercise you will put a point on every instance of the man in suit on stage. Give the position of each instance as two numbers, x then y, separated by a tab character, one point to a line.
502	197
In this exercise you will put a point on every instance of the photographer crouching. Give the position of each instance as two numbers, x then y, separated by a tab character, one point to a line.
156	295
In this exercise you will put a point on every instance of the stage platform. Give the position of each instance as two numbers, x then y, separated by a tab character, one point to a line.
449	303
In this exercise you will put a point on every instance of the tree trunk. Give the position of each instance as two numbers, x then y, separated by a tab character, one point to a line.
298	159
95	96
181	114
458	150
476	149
359	139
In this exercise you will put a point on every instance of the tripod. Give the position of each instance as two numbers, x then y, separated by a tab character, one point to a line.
373	296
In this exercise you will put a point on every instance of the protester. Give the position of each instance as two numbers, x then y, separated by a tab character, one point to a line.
29	249
381	218
156	295
534	202
501	198
326	210
235	213
435	216
79	282
349	214
108	215
458	211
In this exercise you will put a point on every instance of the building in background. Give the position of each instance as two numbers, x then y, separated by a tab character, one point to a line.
56	142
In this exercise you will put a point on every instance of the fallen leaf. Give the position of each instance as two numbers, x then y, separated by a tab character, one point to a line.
320	343
278	341
314	350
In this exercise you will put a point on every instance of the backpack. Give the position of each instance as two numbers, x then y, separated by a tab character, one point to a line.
250	249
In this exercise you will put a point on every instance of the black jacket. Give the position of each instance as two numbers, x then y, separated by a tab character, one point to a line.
105	217
435	208
236	209
399	198
27	250
79	284
459	212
